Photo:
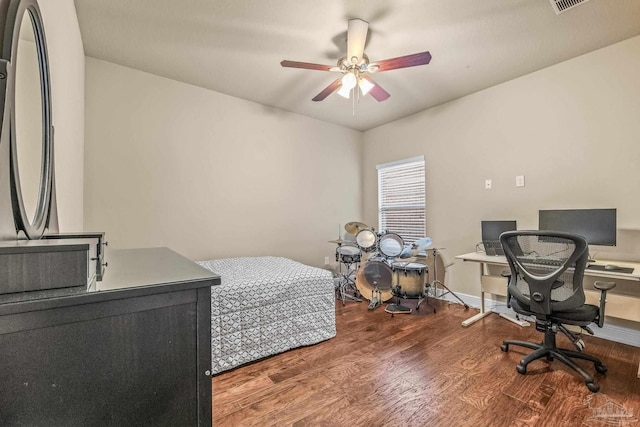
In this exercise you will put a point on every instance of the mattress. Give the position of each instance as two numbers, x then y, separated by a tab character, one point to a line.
265	306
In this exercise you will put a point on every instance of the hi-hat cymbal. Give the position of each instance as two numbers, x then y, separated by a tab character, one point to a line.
354	227
338	242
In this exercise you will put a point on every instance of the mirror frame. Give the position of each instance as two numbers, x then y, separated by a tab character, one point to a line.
10	33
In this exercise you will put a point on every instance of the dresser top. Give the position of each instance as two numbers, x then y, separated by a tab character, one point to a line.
149	267
134	272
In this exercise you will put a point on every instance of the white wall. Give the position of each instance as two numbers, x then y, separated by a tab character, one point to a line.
66	67
209	175
572	129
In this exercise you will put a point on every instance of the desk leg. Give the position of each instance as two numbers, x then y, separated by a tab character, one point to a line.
475	318
518	322
483	313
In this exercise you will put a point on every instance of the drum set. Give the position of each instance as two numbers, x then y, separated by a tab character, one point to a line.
371	267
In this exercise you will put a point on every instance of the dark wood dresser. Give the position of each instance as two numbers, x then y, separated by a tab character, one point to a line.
132	350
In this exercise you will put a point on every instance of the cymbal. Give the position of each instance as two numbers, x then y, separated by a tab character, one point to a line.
418	246
406	253
338	242
354	227
422	244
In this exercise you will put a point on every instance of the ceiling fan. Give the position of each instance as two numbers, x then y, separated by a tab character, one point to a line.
356	68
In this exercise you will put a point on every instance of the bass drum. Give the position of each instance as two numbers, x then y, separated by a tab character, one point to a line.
410	279
366	240
391	245
372	275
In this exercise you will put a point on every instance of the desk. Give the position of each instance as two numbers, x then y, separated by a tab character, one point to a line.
620	305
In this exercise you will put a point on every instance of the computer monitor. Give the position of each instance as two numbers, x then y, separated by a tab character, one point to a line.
597	226
491	231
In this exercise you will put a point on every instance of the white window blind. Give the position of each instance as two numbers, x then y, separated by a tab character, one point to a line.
401	198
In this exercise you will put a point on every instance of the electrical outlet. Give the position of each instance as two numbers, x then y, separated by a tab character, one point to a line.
326	260
520	181
487	184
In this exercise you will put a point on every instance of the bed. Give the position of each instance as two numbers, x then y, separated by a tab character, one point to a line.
265	306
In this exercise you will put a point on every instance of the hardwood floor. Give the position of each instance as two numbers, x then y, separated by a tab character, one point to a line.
424	369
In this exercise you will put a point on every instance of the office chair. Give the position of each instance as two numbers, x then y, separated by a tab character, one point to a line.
546	272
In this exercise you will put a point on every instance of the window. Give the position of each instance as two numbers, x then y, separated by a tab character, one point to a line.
401	198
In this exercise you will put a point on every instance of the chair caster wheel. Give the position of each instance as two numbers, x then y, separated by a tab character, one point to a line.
521	369
593	387
504	347
601	369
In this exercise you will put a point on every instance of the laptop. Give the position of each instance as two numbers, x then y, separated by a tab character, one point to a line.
491	231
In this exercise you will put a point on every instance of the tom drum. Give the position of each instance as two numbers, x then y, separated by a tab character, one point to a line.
410	279
348	254
391	245
366	239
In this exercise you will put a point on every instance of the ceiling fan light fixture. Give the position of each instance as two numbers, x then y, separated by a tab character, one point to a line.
349	80
365	86
344	92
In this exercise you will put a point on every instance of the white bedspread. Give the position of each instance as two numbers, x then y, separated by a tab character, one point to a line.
265	306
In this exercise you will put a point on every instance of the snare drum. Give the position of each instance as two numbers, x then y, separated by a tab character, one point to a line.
348	254
366	239
410	278
372	276
391	245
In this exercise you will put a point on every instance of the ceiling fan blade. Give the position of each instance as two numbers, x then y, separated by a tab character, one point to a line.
306	65
421	58
335	85
356	38
376	91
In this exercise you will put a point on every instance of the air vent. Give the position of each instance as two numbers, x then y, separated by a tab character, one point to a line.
563	5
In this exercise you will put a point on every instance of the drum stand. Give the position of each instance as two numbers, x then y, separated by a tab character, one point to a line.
346	283
435	282
425	298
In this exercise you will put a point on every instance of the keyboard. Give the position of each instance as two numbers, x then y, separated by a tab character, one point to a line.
492	247
550	262
625	270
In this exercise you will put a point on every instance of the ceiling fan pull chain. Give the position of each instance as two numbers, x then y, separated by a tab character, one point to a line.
353	101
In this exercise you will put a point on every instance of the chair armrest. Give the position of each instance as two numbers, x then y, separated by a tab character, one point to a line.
603	287
507	274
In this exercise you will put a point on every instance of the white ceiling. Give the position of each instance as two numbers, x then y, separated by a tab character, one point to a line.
235	46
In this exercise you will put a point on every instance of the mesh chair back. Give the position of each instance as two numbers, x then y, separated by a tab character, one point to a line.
547	269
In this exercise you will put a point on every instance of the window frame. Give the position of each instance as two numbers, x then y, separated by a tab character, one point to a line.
383	221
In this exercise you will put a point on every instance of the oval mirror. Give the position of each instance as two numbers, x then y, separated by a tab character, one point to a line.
31	135
28	115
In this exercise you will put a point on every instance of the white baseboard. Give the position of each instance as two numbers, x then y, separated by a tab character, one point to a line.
622	334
